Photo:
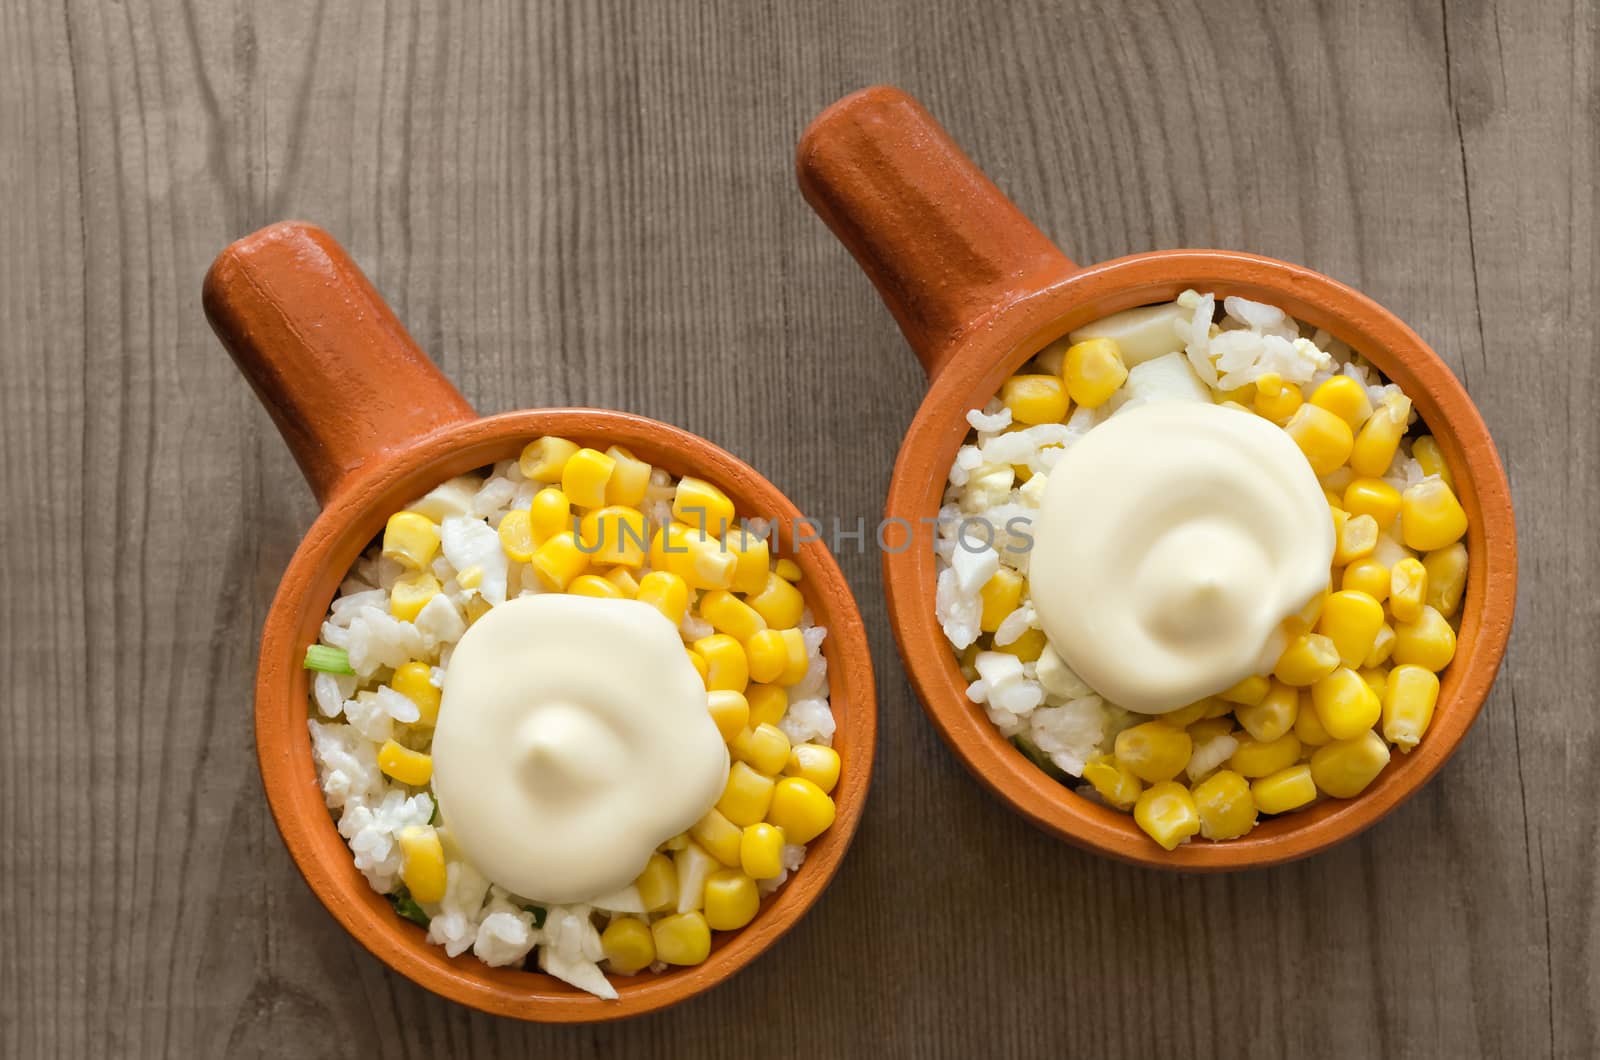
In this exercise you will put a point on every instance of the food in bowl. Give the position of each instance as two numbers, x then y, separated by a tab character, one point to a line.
571	711
1201	562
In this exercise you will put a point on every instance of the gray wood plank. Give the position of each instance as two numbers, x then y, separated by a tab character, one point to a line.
593	203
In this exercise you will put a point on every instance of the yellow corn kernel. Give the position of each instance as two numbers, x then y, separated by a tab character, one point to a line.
1250	691
1324	438
1408	701
1351	620
698	504
682	939
1275	399
765	748
1113	781
404	764
676	843
1425	451
1183	717
1226	808
1428	642
1344	768
1092	371
1382	647
1273	716
614	536
658	884
768	655
1345	704
761	851
788	570
1430	516
414	680
1375	678
698	661
627	587
747	795
1153	751
516	535
726	664
803	810
543	459
559	560
1308	728
794	671
815	763
752	560
1408	589
1207	729
1027	647
730	711
1308	659
410	594
1305	619
1035	398
1374	497
476	608
719	836
731	900
1379	439
422	862
1256	759
1447	578
584	477
731	615
1217	707
595	586
410	539
1287	790
1167	813
1357	537
1000	596
628	945
1367	576
1345	398
768	704
702	562
666	592
549	513
630	478
779	602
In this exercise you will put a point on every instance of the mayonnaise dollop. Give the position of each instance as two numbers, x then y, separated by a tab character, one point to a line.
1171	543
572	740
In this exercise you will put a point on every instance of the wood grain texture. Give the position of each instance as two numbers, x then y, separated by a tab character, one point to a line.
594	203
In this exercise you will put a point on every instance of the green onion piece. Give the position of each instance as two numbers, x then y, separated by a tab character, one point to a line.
328	660
539	913
433	818
407	907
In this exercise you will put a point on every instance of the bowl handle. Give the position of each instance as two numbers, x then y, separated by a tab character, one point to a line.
344	382
945	248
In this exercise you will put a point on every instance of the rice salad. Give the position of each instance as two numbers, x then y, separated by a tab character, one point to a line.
1398	578
472	544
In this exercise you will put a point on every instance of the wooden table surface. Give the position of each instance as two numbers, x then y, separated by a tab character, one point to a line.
594	203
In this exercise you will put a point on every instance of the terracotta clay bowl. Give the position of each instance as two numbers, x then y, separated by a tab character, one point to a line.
977	290
374	424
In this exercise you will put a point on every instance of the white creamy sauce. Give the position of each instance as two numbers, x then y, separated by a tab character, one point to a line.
1171	543
572	740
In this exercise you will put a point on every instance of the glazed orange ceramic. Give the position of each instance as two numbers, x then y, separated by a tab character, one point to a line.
374	424
977	290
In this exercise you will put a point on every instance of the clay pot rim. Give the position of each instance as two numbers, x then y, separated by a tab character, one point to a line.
351	519
997	345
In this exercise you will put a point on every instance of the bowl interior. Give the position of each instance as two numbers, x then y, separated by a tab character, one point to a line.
345	529
996	350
